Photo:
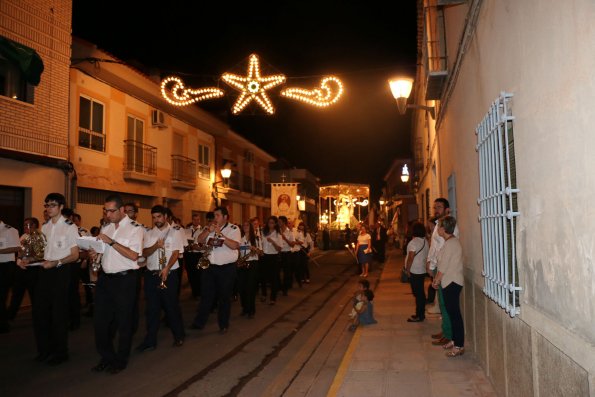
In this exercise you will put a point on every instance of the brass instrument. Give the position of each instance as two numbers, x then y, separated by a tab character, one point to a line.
203	261
96	264
162	261
33	247
243	260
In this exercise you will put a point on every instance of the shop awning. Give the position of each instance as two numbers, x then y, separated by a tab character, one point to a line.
26	59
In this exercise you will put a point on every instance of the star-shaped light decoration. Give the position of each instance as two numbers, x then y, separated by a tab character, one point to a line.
253	86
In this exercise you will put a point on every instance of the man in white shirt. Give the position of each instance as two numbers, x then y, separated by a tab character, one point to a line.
193	255
287	258
9	245
50	306
218	278
115	292
162	247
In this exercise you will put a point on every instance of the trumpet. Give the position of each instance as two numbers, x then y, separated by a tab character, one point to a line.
203	262
243	260
96	264
162	264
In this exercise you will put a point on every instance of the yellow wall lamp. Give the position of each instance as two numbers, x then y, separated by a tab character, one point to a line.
401	89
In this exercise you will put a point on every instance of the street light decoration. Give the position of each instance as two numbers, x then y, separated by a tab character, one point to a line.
253	87
405	174
401	89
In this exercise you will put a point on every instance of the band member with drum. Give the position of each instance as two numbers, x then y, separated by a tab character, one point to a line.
50	306
249	249
115	294
218	279
162	247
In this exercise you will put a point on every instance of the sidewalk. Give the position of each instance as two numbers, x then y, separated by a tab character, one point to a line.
395	358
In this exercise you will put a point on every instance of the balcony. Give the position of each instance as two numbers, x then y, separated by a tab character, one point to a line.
258	188
140	161
234	181
247	185
183	174
435	60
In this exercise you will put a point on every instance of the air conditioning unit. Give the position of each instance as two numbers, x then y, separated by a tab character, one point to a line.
158	119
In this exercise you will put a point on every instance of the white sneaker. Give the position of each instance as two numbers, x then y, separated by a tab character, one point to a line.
434	309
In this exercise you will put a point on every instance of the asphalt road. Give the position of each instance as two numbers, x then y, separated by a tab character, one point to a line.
291	349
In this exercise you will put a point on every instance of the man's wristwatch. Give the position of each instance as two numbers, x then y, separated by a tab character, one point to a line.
59	263
112	243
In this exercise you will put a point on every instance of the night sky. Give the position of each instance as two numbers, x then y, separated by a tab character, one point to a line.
360	42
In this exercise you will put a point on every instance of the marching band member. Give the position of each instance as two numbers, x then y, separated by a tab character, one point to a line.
288	242
193	255
162	247
296	270
270	262
306	244
115	294
218	279
249	249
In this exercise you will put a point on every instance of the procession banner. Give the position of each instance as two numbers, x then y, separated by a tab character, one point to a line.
283	200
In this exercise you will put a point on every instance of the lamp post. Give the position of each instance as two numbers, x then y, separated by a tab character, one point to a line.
401	89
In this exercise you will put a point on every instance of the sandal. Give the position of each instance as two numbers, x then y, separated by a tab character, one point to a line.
456	351
449	345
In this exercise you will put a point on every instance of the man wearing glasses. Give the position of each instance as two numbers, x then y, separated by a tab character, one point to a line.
115	294
50	306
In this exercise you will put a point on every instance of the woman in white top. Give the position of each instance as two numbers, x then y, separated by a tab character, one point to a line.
249	248
304	238
270	264
364	250
415	266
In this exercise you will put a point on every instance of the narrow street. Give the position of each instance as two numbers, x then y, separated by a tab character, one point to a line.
292	348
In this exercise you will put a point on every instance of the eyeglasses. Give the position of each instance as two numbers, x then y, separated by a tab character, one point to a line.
51	205
111	210
130	211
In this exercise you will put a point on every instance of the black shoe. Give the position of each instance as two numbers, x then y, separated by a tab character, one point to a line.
222	331
114	369
145	347
178	342
194	326
251	315
57	360
415	320
42	357
102	366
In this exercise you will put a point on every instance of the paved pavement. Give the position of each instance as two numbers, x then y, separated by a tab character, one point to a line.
395	358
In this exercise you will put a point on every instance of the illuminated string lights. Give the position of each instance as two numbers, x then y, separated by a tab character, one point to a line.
182	96
329	92
253	86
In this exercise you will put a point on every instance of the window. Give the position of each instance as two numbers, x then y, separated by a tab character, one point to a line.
140	157
498	204
91	124
13	83
204	165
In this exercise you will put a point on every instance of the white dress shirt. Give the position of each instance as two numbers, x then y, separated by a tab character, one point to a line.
298	236
192	233
268	247
285	247
223	255
9	238
245	248
172	243
61	237
128	234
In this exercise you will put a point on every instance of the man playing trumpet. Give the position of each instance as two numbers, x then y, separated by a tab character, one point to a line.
162	248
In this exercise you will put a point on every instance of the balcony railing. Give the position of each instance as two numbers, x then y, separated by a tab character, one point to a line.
435	61
259	188
234	181
140	160
183	172
204	171
247	185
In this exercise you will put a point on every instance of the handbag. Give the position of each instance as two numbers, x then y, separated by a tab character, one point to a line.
404	275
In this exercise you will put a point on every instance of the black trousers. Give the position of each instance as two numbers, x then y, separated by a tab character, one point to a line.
86	279
287	266
166	299
7	270
452	294
303	266
247	287
271	265
24	280
296	268
51	312
217	283
417	287
115	301
74	296
193	273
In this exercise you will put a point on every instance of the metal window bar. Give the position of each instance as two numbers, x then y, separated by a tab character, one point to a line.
183	169
497	202
204	171
139	157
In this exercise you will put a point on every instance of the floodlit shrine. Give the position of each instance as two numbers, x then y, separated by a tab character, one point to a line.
343	204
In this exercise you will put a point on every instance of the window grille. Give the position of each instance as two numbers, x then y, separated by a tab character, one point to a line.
498	204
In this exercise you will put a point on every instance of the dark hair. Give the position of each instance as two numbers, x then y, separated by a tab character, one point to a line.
76	216
305	227
419	230
67	212
210	216
57	197
365	284
221	209
252	236
34	221
159	209
266	230
369	295
448	223
133	205
115	198
443	201
284	219
94	230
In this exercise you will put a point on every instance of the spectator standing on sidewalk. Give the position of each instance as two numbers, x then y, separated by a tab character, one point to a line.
450	278
417	253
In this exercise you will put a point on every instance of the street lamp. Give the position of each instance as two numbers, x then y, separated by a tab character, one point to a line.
226	171
381	201
405	174
401	89
225	174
